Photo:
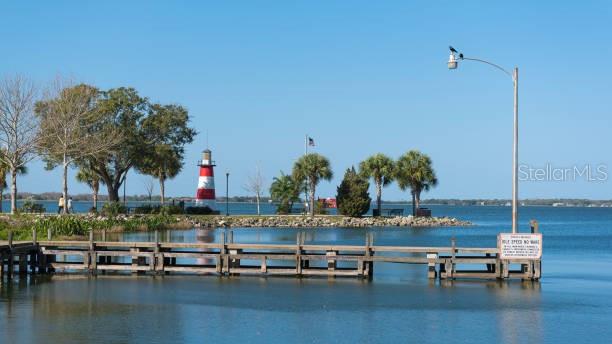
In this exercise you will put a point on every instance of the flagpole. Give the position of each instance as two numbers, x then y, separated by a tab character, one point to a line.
305	181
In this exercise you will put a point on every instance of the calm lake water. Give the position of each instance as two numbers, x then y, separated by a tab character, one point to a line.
572	303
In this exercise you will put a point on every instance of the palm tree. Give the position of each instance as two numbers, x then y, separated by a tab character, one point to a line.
414	170
285	191
381	168
163	163
89	177
311	168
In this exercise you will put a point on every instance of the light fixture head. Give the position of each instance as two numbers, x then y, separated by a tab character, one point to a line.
452	61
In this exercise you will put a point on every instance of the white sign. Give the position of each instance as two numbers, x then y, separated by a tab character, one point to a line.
519	246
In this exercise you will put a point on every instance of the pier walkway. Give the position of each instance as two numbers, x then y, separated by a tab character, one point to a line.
229	258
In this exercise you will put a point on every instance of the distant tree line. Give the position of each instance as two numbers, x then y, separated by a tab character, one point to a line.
102	133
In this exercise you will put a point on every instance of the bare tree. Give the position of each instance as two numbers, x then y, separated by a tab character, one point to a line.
149	184
255	184
68	116
19	127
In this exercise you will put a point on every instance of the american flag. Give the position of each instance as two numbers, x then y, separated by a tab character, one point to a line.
311	142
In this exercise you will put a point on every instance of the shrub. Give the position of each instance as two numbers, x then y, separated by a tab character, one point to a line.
353	198
146	209
283	208
112	209
320	208
30	206
200	211
171	210
61	225
164	210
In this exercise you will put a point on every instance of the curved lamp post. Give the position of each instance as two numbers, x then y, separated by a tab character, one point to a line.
453	62
227	193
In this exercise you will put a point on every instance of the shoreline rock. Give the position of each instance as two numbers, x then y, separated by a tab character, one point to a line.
325	221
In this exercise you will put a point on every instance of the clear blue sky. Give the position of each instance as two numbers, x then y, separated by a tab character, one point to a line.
359	77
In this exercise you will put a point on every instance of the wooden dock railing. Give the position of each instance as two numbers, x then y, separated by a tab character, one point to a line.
229	258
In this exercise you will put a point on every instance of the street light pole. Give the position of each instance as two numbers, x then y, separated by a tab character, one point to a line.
226	193
515	157
452	64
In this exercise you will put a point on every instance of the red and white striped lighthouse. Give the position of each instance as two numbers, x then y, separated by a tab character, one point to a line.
205	195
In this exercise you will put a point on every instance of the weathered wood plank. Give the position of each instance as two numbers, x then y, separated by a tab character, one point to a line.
193	269
123	267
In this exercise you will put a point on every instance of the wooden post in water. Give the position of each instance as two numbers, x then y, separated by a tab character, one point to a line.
223	256
234	263
134	252
431	265
505	268
531	267
362	267
157	264
11	260
298	253
34	253
305	262
331	262
92	259
370	263
264	265
23	264
490	267
450	266
107	260
1	267
535	226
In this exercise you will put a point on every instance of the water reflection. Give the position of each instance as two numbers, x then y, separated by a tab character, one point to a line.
204	236
399	305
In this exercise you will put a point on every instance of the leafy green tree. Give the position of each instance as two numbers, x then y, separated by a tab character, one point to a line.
381	169
311	168
163	164
124	110
285	191
353	198
414	171
68	119
89	177
167	128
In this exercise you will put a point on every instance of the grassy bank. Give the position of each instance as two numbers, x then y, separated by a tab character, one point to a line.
79	225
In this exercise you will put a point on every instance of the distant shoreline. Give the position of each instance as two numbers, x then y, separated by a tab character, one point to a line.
566	203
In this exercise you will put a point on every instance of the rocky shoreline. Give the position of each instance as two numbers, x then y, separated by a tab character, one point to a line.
326	221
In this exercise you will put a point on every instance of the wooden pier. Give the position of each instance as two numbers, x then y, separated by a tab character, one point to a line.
229	258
